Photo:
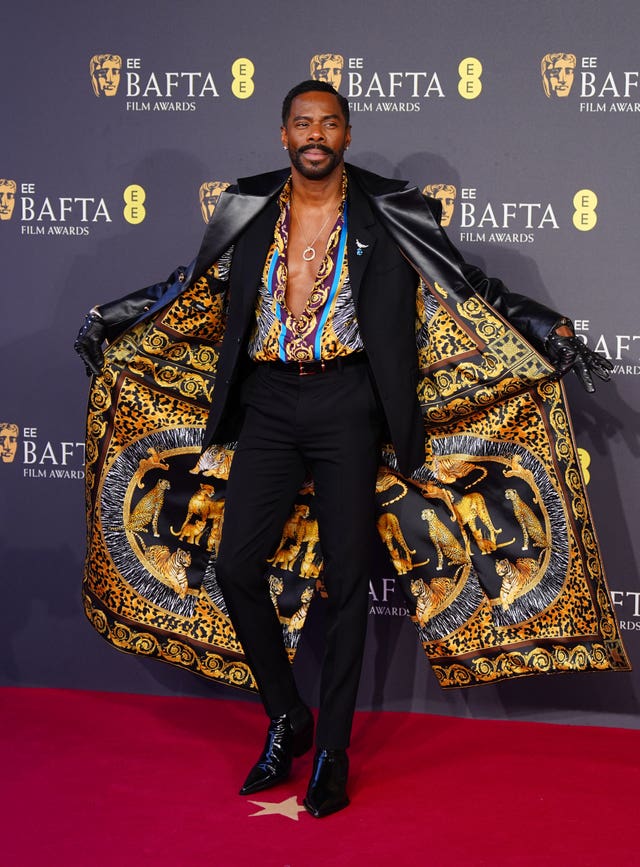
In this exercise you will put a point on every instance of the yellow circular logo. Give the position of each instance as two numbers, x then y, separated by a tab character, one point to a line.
469	70
134	210
584	215
242	85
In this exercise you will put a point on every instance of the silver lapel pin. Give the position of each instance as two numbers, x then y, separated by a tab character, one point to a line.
360	247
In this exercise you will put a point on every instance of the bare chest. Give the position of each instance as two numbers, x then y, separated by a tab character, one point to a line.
304	257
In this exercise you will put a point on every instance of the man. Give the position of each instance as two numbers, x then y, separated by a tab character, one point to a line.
318	366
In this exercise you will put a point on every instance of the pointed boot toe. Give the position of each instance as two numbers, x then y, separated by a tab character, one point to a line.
327	792
288	736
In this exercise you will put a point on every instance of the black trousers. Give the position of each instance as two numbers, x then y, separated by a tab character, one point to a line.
329	425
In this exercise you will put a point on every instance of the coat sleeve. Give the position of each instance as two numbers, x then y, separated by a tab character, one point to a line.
119	314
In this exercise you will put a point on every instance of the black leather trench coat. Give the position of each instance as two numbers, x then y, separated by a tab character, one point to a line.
393	232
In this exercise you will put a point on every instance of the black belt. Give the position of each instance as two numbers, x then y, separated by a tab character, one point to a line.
309	368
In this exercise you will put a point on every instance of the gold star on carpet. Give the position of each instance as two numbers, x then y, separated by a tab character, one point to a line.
288	808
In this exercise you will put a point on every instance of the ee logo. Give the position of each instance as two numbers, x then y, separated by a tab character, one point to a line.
242	85
469	70
584	215
134	210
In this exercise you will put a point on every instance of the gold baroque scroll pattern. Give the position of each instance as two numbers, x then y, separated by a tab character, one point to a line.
167	376
552	392
455	388
581	657
207	663
100	402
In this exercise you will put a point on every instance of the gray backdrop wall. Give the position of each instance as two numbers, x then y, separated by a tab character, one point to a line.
100	195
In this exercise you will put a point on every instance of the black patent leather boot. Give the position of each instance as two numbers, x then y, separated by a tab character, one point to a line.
327	792
288	736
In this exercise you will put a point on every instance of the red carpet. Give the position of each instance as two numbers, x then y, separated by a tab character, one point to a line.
97	779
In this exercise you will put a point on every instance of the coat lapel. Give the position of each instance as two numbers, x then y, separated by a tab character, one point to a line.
236	209
414	228
360	238
250	254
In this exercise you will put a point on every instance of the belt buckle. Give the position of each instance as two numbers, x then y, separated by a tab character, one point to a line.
303	372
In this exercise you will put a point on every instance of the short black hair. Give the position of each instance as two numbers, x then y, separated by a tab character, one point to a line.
311	86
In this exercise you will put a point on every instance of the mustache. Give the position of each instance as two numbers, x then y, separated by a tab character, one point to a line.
315	147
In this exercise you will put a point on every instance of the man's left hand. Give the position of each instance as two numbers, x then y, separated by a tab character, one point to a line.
568	351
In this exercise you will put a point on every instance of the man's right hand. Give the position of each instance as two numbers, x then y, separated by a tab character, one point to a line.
89	342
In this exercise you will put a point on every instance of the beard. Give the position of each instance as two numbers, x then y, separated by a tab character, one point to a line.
309	170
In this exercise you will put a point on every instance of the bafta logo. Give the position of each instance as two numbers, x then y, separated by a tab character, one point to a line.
209	194
446	195
8	441
105	74
557	72
327	67
7	198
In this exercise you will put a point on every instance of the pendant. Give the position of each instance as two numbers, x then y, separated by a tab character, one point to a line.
308	254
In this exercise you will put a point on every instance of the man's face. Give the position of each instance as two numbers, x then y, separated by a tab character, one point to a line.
7	201
108	77
8	444
315	134
560	77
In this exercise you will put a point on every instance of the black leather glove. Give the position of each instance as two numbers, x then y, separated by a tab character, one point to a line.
89	342
566	353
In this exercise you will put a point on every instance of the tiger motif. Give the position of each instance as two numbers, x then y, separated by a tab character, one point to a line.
200	507
433	491
153	462
147	511
444	541
217	520
433	597
517	578
192	533
276	586
300	529
169	566
296	622
516	469
214	461
529	524
385	482
471	508
285	557
449	470
391	534
310	566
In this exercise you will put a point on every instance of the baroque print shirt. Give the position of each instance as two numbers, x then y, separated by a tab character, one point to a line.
327	327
